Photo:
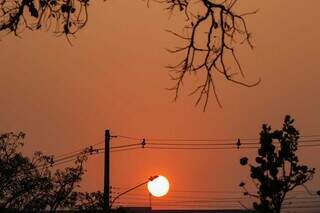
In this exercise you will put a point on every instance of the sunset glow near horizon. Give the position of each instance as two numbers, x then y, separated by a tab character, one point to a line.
114	77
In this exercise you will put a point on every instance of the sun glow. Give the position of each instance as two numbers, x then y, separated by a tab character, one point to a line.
159	186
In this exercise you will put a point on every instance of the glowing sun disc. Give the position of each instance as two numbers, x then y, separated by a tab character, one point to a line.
159	186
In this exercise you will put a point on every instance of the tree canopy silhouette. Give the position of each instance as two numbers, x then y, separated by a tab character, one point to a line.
29	184
277	170
212	31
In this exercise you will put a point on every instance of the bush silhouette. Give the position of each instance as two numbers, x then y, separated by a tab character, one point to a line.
277	170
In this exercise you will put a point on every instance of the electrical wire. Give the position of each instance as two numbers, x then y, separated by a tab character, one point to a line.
203	140
211	148
309	145
224	201
190	191
188	146
172	146
199	148
121	150
128	137
70	158
124	146
199	144
230	205
79	150
310	141
223	144
63	162
220	192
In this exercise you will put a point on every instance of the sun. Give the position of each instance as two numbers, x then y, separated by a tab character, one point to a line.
159	186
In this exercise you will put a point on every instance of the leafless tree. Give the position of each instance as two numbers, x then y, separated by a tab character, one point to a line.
213	30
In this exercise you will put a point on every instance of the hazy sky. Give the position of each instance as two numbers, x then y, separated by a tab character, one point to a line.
114	77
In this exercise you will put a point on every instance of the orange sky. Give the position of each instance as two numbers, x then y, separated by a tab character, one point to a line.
113	77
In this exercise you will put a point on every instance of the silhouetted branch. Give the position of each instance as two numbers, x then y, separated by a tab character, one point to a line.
211	37
213	30
62	16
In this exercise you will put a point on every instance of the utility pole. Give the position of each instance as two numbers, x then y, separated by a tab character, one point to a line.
106	191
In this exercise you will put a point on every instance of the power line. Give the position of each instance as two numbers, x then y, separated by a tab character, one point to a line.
199	148
199	144
186	198
309	145
193	146
224	144
121	150
301	207
310	136
85	151
310	141
230	205
173	146
205	146
182	139
203	140
59	162
190	191
182	198
63	162
70	158
129	137
301	194
96	151
124	146
190	201
217	148
79	150
88	150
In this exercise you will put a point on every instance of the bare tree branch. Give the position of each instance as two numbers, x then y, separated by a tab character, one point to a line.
61	16
223	29
213	30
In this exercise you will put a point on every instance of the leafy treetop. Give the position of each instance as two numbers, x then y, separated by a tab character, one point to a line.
277	170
